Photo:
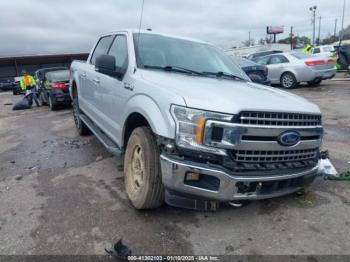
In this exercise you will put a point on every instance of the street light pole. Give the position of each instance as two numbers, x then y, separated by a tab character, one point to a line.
342	25
335	29
313	10
319	30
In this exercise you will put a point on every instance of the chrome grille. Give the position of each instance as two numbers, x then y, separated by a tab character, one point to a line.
246	156
279	119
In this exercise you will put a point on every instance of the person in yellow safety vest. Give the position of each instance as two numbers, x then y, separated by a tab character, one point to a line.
307	49
27	84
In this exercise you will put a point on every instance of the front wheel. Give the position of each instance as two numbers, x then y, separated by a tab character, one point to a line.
143	180
288	80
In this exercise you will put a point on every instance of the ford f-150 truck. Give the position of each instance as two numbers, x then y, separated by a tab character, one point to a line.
193	129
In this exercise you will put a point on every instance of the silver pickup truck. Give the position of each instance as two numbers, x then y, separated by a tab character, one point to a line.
193	129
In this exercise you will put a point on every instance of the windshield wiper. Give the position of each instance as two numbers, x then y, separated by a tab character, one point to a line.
174	69
224	74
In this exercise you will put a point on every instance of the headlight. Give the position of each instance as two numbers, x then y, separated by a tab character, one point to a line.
190	125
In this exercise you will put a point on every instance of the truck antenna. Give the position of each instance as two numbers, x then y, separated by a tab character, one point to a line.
141	17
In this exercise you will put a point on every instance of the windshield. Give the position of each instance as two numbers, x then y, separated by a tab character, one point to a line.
156	51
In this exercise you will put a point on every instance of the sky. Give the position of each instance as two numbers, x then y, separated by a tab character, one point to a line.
70	26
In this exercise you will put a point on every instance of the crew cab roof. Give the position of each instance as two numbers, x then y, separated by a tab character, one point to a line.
136	31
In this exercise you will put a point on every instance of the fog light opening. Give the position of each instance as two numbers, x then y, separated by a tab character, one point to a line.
190	176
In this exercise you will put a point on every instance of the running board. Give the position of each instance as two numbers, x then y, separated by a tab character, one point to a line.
105	140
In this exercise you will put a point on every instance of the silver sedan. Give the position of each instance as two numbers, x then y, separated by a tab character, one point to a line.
289	69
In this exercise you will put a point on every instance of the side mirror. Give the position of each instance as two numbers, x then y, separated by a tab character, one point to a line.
105	64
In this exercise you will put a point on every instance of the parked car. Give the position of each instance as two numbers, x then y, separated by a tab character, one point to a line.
343	55
254	57
257	73
193	128
40	79
323	50
290	69
56	89
6	86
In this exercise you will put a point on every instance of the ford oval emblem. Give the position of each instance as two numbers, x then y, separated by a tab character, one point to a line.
289	138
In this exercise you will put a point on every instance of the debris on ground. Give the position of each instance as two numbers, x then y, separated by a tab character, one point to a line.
119	251
306	197
99	158
343	177
23	104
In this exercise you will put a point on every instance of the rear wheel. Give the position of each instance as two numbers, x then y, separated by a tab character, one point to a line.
288	80
143	181
255	78
83	130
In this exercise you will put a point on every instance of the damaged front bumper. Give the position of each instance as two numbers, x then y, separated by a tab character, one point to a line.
216	184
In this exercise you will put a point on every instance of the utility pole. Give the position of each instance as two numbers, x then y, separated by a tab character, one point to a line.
335	29
319	30
342	25
313	10
291	38
249	40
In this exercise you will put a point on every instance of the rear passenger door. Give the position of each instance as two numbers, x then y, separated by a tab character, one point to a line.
113	95
276	67
90	78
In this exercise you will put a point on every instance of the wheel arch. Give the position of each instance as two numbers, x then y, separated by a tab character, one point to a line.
144	111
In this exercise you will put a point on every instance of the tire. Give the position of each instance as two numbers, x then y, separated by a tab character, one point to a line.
288	80
143	180
255	78
315	83
52	104
83	129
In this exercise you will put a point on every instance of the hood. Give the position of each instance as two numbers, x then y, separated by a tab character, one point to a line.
228	96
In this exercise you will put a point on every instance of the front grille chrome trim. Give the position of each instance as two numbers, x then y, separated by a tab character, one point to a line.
246	156
279	119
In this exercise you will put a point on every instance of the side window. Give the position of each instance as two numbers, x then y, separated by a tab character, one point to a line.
101	48
263	60
119	50
316	51
278	59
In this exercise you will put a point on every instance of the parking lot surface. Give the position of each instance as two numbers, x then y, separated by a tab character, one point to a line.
64	194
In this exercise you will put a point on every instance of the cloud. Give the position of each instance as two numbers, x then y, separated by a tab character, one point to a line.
41	26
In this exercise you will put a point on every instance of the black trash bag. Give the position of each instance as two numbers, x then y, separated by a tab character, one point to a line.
25	103
119	251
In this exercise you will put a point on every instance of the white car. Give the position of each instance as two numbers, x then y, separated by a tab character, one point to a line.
323	50
290	69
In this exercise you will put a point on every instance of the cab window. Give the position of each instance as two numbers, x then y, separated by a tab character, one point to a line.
101	48
278	59
119	50
316	51
263	60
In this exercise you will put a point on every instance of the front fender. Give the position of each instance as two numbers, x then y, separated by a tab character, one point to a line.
157	115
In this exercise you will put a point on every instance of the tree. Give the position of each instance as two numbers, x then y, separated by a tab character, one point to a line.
247	43
297	40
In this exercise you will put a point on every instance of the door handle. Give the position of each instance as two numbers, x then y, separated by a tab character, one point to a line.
96	80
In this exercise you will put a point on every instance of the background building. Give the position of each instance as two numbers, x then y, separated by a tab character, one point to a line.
11	67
